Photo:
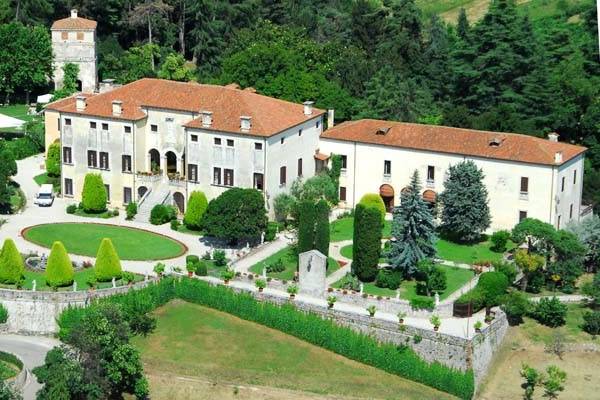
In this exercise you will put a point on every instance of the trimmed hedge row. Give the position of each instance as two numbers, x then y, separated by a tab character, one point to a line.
399	360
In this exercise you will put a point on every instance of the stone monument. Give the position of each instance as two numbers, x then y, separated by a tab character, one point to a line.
313	268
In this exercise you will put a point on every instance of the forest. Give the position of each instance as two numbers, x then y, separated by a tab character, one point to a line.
531	70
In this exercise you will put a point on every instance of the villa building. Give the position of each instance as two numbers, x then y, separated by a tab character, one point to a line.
525	176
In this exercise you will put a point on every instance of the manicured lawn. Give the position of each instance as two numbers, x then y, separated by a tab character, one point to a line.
468	253
347	251
289	259
18	111
456	278
81	277
343	229
44	178
84	239
202	344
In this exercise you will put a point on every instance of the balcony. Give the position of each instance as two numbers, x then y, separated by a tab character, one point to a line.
430	183
148	177
387	178
523	195
176	180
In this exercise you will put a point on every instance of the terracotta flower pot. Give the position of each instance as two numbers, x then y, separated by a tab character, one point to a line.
401	320
436	328
226	281
478	330
190	273
292	296
260	290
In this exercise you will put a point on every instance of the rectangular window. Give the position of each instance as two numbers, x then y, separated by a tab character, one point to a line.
258	181
67	155
126	163
217	141
68	121
562	184
216	176
524	185
558	223
571	211
228	175
299	167
342	193
230	142
300	132
522	215
387	167
92	125
282	140
154	128
282	176
344	161
107	187
574	177
128	130
64	35
193	172
92	158
127	195
194	138
68	187
103	160
257	146
430	173
79	36
104	127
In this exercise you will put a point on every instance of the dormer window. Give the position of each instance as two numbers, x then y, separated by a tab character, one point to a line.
495	142
382	131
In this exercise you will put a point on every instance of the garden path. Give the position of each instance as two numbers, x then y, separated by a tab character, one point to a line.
260	253
335	252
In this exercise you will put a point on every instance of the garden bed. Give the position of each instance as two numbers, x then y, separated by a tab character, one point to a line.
84	239
290	262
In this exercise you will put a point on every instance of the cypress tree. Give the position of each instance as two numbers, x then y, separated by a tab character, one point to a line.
374	200
465	211
322	227
414	230
367	242
306	225
196	207
94	194
107	265
59	269
11	263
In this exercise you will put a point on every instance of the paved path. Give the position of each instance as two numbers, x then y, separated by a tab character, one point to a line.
335	252
262	252
564	298
32	351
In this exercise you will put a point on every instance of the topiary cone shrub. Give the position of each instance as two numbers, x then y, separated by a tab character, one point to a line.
11	263
374	200
93	198
59	269
196	207
107	265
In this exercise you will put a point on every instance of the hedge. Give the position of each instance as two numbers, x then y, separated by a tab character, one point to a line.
93	197
11	263
196	207
107	265
59	269
286	318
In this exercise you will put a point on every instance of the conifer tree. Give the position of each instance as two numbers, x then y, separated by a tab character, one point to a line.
306	225
196	207
59	269
322	227
366	242
107	265
413	229
465	211
93	197
11	263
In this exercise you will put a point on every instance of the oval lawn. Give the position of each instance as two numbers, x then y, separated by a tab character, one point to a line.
84	239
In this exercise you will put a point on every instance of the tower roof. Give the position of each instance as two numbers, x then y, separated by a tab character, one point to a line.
74	22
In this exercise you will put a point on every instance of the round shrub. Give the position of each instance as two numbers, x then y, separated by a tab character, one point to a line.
201	269
93	198
3	314
473	297
53	159
516	305
507	268
499	240
196	207
59	269
71	208
11	263
550	312
162	214
175	224
591	322
131	211
388	278
107	265
374	200
492	286
192	259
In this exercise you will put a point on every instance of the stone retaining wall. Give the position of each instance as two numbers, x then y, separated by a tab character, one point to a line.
32	312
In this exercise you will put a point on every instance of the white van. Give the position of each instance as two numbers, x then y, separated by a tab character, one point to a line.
45	196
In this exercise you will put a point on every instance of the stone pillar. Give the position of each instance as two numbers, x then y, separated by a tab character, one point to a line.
149	163
178	165
163	165
313	268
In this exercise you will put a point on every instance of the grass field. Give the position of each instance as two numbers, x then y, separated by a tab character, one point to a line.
84	239
343	229
289	259
194	348
18	111
468	253
42	179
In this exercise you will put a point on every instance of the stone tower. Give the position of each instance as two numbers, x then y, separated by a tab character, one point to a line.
74	41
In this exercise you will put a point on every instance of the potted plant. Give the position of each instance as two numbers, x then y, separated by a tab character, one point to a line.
292	290
436	322
159	269
260	284
331	301
478	326
488	318
401	316
227	275
371	310
191	268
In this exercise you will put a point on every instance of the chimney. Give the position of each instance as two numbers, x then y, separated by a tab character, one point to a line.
207	118
80	103
308	107
558	157
553	137
330	118
245	123
73	13
117	108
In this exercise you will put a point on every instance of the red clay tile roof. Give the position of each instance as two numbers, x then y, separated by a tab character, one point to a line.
269	116
443	139
74	24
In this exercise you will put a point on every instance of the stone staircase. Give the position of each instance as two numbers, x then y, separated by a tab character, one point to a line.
160	194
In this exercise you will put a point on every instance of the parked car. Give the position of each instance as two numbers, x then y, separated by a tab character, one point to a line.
45	196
